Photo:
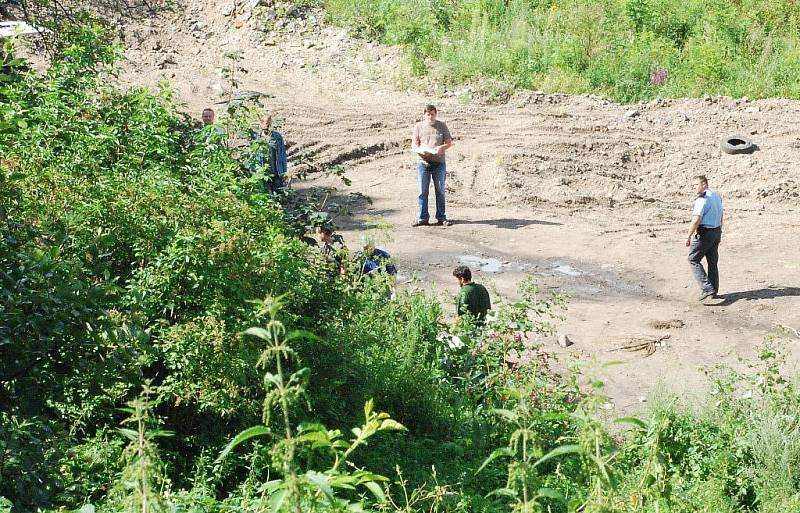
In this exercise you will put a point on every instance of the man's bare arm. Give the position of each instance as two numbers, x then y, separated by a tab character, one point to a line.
443	147
415	138
692	229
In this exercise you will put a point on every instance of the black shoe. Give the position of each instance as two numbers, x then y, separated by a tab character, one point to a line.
443	222
705	294
419	223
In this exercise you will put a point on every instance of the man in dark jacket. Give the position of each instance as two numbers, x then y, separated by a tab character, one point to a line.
269	156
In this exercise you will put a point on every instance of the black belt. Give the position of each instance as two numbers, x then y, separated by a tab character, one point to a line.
707	228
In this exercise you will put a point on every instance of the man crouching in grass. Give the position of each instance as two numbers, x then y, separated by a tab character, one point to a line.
473	298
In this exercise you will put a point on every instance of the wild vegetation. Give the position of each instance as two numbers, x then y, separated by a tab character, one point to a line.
169	342
628	50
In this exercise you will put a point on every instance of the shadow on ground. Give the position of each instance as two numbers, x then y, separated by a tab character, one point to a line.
507	223
751	295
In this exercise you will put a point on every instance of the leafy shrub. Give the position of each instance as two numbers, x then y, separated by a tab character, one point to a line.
130	250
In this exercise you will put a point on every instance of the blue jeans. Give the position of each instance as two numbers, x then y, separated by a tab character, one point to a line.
426	171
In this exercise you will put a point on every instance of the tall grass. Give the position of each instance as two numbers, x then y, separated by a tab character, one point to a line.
609	47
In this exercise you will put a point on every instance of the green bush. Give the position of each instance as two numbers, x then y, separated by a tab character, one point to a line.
130	251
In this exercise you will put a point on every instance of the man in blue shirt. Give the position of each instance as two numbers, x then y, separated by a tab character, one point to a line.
705	233
376	261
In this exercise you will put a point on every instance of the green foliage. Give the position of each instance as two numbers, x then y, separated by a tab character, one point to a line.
306	489
397	349
607	47
728	457
130	249
91	467
141	483
134	249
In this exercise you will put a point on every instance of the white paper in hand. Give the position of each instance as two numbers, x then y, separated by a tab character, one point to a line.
423	150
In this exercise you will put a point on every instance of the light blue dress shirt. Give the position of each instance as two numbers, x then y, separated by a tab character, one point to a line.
709	208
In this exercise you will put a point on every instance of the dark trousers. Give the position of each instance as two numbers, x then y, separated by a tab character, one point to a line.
276	183
706	245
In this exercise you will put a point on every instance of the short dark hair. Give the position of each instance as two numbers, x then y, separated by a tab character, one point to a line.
430	108
463	272
208	109
327	230
702	179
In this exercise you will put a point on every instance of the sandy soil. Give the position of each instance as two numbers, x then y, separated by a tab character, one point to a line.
591	197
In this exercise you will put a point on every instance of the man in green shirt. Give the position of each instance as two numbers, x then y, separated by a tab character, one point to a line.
473	298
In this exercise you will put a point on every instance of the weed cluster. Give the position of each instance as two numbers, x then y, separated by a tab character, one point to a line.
629	50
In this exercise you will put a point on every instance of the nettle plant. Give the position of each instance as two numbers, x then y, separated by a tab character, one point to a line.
300	487
142	483
577	471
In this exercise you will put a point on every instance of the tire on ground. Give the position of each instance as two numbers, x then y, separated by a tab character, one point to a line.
736	144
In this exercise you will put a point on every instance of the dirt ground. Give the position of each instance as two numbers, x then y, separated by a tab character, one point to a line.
591	197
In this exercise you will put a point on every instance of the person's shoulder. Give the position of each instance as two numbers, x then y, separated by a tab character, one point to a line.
441	127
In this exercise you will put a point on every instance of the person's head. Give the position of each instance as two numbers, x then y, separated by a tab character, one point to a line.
208	116
368	244
265	122
430	114
462	274
700	184
325	233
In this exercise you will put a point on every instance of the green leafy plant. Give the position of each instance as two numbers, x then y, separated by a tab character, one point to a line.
142	482
311	489
524	486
